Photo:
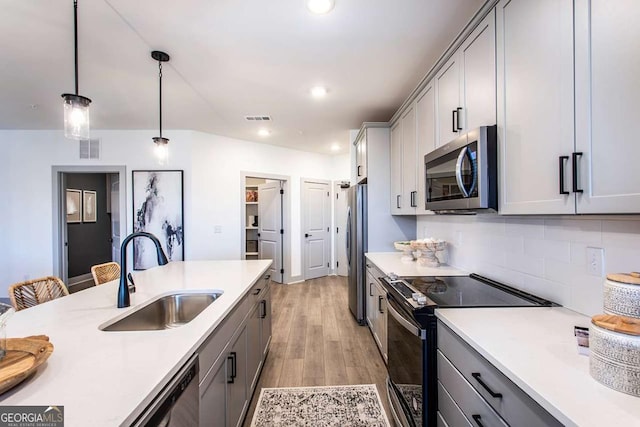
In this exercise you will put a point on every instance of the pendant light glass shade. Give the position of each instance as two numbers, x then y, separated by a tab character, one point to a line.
161	150
76	116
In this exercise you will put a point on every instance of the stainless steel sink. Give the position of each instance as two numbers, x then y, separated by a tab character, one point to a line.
167	312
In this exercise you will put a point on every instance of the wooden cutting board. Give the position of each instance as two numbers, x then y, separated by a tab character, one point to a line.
622	324
22	358
630	279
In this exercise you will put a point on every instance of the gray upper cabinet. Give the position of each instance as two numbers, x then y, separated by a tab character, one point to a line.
448	106
425	140
535	108
466	84
409	164
361	158
478	77
607	53
396	168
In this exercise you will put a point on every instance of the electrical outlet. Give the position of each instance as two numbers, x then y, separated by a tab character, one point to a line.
217	229
595	261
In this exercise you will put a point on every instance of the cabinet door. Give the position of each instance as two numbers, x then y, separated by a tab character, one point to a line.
371	302
265	323
535	108
448	101
478	72
396	169
607	108
425	140
254	349
213	394
409	163
382	320
237	378
361	156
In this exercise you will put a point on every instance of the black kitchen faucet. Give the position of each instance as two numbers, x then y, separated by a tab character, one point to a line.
123	290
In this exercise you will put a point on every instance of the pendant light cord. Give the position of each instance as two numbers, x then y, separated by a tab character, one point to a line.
75	38
160	73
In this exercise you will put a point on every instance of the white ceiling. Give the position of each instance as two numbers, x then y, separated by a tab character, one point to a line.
229	58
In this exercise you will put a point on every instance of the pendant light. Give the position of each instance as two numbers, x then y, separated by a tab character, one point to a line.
162	144
76	107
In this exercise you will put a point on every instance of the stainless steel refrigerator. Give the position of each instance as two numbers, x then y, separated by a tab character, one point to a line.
356	237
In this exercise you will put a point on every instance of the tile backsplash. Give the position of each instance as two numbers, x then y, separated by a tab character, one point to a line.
546	256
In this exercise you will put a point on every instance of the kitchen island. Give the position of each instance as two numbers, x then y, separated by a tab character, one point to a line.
109	378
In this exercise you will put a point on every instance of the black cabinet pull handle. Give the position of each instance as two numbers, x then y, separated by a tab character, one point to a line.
267	277
232	358
561	161
458	111
575	171
380	298
477	419
398	201
370	289
453	121
476	375
359	166
413	199
256	292
263	309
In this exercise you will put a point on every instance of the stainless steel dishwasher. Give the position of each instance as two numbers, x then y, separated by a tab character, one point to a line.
178	404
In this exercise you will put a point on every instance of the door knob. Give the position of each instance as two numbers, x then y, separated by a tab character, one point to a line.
307	235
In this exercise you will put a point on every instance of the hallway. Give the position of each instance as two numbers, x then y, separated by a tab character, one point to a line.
317	342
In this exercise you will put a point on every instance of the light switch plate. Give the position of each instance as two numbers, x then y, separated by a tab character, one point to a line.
595	261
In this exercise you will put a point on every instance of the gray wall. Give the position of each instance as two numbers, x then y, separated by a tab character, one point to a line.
89	242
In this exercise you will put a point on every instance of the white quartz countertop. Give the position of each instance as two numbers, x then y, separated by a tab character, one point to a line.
536	349
391	262
108	378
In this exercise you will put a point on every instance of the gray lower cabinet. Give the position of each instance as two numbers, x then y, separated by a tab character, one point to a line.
471	391
376	308
232	357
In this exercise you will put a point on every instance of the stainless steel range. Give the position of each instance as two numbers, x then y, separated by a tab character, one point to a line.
412	341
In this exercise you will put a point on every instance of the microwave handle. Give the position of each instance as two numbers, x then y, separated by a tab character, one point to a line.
463	152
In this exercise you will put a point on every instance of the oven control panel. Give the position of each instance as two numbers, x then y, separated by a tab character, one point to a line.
412	296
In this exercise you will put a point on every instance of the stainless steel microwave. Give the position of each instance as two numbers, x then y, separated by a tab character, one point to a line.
463	174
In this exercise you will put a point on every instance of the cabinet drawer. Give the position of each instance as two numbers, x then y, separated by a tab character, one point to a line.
449	414
375	271
472	405
259	288
515	406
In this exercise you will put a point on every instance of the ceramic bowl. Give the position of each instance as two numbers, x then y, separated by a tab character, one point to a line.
622	299
614	359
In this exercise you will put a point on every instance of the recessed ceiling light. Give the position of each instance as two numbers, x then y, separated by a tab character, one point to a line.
264	132
320	7
319	91
335	147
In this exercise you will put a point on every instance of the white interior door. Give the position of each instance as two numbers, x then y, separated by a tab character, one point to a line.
340	215
316	211
270	226
114	194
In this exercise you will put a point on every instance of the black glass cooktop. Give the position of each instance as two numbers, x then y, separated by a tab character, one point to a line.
472	291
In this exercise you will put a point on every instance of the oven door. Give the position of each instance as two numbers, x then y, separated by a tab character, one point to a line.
405	365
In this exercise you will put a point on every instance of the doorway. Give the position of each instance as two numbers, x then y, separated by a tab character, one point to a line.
341	191
88	220
316	223
266	222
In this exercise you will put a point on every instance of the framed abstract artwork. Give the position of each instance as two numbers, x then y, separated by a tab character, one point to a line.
158	208
89	206
74	206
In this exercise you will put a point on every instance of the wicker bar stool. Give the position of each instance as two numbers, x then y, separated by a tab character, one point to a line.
103	273
33	292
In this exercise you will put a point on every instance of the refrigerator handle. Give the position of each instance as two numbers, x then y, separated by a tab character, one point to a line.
348	236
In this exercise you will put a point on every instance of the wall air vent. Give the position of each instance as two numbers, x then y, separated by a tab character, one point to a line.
257	118
90	149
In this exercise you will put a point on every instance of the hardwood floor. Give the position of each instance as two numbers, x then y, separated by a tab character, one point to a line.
316	341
